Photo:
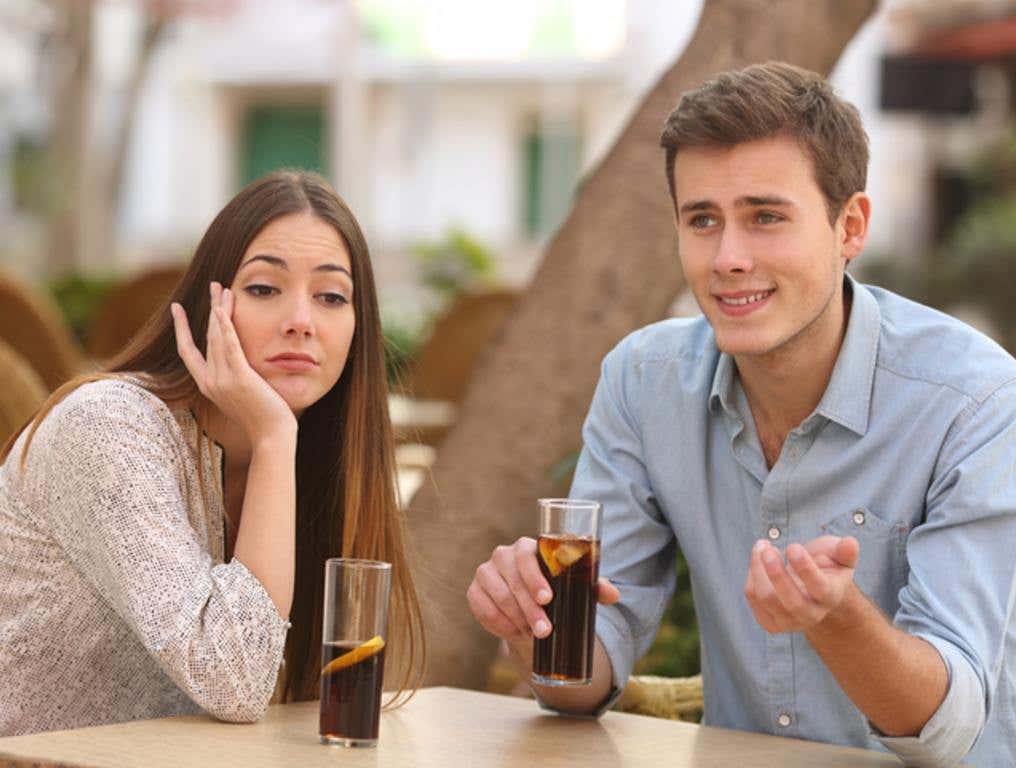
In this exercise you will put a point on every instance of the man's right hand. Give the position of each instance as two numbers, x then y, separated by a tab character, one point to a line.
508	593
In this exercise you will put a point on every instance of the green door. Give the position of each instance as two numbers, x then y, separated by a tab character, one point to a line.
281	136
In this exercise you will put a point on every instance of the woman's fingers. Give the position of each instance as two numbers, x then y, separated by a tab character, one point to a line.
231	349
185	347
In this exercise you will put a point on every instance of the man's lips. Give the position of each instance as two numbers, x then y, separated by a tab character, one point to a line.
743	302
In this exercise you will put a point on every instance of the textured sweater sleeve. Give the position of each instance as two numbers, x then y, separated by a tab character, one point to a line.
104	473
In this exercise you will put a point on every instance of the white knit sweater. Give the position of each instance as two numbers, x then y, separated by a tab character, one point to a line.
115	603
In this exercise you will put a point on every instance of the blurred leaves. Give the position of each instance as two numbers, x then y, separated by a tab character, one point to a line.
976	262
402	340
80	297
675	651
456	263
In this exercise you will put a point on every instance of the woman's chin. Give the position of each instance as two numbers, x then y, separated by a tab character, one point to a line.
298	393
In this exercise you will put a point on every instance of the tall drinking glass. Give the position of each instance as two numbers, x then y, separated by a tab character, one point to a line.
353	634
569	556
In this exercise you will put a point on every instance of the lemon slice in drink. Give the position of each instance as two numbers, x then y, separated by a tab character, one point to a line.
569	553
547	555
558	556
358	654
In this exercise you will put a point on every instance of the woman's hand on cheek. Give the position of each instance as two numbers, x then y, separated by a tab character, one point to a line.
224	376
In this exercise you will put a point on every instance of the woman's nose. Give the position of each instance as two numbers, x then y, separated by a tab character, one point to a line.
298	320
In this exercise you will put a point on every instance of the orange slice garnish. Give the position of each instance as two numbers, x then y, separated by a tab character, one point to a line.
358	654
547	555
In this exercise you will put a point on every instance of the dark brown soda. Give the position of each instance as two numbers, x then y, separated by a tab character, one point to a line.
566	654
351	696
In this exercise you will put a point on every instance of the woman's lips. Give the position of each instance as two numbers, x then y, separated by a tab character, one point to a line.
293	362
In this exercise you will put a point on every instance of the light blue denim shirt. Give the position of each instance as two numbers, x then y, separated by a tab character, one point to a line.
912	450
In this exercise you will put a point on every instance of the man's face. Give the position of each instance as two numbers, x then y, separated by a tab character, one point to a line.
756	245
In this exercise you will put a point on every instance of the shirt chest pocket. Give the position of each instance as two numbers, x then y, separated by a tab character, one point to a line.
882	566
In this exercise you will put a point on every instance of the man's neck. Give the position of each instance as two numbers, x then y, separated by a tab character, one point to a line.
785	386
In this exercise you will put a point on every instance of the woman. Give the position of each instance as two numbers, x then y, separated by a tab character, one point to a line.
164	524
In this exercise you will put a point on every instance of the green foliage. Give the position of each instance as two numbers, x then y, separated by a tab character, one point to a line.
454	264
80	297
976	262
402	340
675	651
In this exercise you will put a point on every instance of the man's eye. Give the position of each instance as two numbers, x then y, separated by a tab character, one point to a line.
336	299
260	290
768	218
702	221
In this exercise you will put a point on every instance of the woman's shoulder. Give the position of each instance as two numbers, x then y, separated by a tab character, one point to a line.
112	402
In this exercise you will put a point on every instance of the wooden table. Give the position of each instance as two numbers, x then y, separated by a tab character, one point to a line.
443	727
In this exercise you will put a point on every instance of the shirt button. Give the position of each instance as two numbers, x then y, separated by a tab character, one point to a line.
859	516
784	719
774	533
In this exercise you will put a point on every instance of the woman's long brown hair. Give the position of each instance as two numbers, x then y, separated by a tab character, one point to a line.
346	502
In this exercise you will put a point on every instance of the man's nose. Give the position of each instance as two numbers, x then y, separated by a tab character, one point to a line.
733	254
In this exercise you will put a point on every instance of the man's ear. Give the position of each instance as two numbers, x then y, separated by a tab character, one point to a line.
852	225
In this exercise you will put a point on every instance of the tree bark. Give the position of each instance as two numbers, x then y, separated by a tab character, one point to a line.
611	268
70	47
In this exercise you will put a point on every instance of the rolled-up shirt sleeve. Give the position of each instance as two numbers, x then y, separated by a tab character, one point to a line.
638	546
962	585
109	483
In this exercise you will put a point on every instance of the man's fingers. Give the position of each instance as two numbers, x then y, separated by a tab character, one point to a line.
504	558
529	570
808	571
762	587
488	614
795	602
848	549
494	586
607	593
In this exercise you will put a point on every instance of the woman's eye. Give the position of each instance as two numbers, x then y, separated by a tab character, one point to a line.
260	290
336	299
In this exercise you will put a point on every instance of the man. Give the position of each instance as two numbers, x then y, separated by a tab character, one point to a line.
838	464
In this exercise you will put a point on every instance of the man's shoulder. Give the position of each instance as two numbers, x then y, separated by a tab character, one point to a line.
919	343
677	338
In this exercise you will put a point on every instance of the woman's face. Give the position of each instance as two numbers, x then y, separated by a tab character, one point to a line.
294	307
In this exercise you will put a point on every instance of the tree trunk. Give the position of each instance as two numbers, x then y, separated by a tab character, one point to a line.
611	268
71	50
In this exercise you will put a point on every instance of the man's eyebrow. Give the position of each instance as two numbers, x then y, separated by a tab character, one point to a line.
755	200
696	205
275	261
741	202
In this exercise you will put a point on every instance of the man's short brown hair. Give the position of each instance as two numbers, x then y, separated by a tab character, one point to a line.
766	100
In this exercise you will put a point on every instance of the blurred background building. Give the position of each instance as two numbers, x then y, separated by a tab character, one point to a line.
429	116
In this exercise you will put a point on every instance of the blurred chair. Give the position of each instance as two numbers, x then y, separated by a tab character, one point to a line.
22	391
445	363
128	307
31	324
673	698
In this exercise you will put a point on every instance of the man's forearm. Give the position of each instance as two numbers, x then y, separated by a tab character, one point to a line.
575	699
897	680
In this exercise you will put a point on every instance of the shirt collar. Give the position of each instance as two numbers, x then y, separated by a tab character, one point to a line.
847	399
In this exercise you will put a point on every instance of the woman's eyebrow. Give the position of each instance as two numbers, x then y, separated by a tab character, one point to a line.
275	261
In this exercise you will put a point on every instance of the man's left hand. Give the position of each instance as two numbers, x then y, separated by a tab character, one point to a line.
796	595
